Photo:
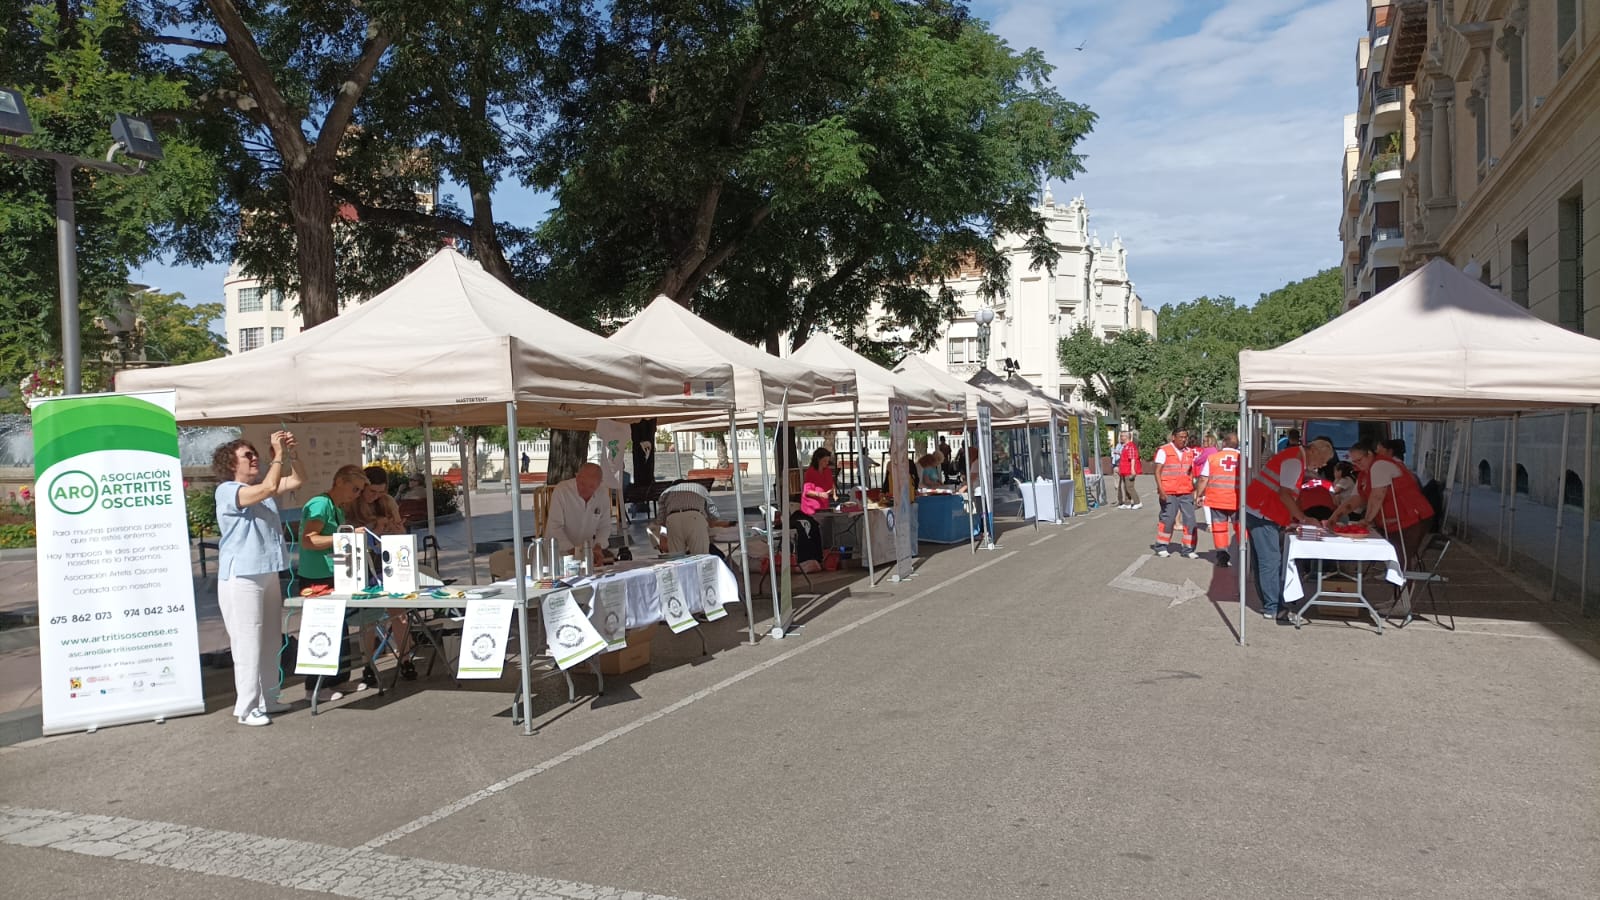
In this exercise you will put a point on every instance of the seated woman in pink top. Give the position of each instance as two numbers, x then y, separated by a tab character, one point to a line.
816	491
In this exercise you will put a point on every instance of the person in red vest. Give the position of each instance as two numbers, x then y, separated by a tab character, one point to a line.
1175	486
1393	498
1272	503
1129	468
1219	491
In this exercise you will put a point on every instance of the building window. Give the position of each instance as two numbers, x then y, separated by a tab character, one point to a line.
277	335
1522	479
1513	43
1566	35
249	339
277	301
957	351
1569	240
1485	474
1519	270
1572	490
249	299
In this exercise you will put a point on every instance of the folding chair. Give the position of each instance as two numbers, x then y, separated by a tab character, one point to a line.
1428	576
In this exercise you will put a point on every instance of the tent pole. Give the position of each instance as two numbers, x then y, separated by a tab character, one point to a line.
1468	473
1506	483
1586	603
866	511
1561	483
520	578
1511	519
1097	469
1033	479
1055	467
1247	447
779	625
738	519
767	492
466	502
427	478
972	531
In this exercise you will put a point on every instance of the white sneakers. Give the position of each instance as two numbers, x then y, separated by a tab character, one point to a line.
1163	553
1130	506
255	717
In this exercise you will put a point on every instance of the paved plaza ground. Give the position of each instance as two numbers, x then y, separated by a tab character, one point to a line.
1005	724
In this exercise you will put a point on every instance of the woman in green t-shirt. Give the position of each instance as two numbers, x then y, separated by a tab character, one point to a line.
321	516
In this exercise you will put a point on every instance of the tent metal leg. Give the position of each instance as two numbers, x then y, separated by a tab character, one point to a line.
767	496
972	529
738	517
466	502
1561	483
1055	468
1590	599
519	577
427	477
866	510
1247	447
1511	490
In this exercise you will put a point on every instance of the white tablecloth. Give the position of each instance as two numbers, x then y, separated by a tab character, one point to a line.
1038	500
1374	549
644	600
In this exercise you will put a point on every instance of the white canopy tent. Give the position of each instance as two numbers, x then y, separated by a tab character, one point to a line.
1437	345
920	370
448	344
760	381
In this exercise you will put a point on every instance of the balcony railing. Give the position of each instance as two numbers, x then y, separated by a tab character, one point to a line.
1388	233
1385	162
1380	96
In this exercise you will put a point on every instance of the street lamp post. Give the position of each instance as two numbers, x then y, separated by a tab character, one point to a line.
132	136
985	317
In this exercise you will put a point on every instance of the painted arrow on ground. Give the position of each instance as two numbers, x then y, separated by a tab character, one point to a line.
1178	593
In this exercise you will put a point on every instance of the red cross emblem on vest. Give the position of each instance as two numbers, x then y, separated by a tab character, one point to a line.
1229	463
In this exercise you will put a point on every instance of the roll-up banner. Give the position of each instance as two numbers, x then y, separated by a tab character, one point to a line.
118	639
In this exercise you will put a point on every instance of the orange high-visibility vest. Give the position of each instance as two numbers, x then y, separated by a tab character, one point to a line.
1222	485
1404	505
1261	496
1175	475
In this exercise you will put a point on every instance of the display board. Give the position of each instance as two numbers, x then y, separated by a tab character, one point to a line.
118	639
320	449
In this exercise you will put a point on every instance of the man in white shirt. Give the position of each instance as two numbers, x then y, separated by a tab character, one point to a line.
580	514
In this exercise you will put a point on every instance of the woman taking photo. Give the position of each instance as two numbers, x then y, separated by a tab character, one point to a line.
250	555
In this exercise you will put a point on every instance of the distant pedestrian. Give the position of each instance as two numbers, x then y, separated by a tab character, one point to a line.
1129	468
1291	438
525	462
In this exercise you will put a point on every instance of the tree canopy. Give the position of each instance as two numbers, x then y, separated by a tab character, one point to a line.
1157	385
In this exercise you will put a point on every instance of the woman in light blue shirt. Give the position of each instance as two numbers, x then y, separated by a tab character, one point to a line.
249	557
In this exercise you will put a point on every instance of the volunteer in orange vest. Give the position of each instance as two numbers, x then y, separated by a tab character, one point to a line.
1393	498
1219	491
1175	486
1272	504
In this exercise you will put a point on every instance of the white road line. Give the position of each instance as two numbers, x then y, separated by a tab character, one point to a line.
1043	539
300	865
504	784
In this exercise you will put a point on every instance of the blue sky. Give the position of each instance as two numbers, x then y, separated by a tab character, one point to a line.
1218	150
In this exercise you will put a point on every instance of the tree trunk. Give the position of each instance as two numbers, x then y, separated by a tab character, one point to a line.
721	438
568	451
311	206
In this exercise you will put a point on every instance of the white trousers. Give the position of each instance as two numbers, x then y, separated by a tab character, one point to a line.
252	610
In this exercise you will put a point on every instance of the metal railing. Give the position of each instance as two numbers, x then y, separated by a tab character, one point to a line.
1385	162
1388	233
1380	96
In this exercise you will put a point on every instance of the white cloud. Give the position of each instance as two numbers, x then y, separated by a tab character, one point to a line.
1220	138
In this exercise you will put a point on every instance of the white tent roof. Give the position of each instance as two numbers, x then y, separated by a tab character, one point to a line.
919	369
450	339
1437	344
667	331
876	387
1039	407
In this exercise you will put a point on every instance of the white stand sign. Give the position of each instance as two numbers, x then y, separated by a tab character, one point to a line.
674	605
321	633
572	638
710	602
609	612
483	638
398	554
118	640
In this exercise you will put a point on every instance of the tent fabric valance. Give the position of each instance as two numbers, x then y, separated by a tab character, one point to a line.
448	340
1435	345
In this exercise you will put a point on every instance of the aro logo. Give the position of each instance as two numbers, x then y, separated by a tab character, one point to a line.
73	492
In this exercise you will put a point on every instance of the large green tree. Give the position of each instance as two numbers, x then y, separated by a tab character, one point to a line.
177	332
77	62
1157	385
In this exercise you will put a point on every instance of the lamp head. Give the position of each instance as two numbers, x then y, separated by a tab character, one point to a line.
14	119
984	315
137	137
